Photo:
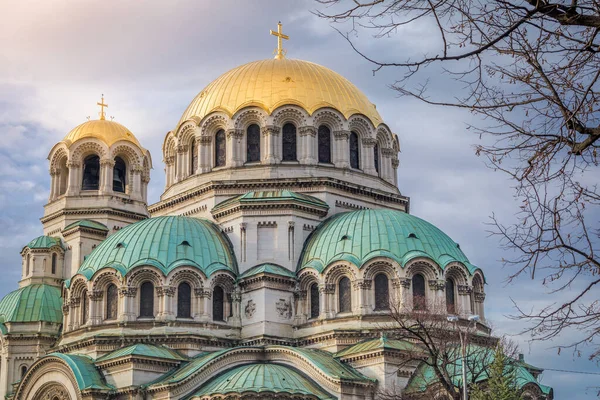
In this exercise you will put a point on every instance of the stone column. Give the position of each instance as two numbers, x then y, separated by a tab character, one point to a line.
308	148
405	293
341	154
364	298
327	306
270	134
436	287
106	175
301	316
74	183
67	318
165	295
144	192
205	161
479	297
181	164
234	147
395	164
464	299
369	159
95	307
53	185
127	303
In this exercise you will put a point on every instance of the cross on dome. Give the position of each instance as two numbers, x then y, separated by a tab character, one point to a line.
280	52
102	105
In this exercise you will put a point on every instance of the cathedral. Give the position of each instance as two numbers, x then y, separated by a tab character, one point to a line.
266	269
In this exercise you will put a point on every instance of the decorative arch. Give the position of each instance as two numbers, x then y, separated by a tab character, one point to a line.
104	277
248	116
83	148
360	125
49	375
57	155
169	146
457	272
384	137
224	280
186	274
186	133
213	123
424	266
78	285
375	267
478	282
129	152
330	118
145	273
289	114
307	277
334	272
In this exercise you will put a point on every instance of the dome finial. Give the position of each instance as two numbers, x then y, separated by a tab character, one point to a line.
280	52
102	105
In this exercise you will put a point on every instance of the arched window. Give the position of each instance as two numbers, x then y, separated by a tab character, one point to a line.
314	301
324	140
112	302
147	300
382	292
344	295
193	156
218	298
376	157
84	307
450	305
91	173
253	143
54	263
184	301
220	149
119	175
63	177
354	156
23	371
289	142
27	264
418	287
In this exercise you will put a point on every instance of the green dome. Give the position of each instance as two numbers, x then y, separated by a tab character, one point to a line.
44	242
262	378
359	236
165	243
32	303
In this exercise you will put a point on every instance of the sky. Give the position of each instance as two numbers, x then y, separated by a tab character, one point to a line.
151	58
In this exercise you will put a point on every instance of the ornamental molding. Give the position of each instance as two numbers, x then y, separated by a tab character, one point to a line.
107	162
182	148
369	142
284	308
395	162
360	125
128	291
129	153
235	133
388	152
289	115
205	140
479	297
464	289
95	295
405	282
328	117
88	147
165	291
341	135
212	124
249	117
202	293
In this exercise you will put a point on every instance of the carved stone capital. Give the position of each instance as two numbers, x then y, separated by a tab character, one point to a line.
405	282
182	148
73	164
205	140
243	226
74	301
169	160
395	162
341	135
437	284
107	162
388	152
65	309
270	130
200	292
479	297
128	291
291	225
165	291
369	142
307	131
327	288
95	295
464	289
235	133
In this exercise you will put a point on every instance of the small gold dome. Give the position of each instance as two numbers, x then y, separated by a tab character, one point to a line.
108	132
271	83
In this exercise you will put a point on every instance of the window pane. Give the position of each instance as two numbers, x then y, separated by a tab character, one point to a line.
194	157
314	301
289	142
218	302
84	307
253	143
450	305
91	173
220	149
324	139
354	162
382	292
184	303
344	295
147	300
112	302
376	156
418	284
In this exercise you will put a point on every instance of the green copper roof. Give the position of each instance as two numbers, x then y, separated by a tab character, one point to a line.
272	196
262	378
32	303
382	343
144	350
165	243
359	236
87	223
44	242
188	369
267	268
86	374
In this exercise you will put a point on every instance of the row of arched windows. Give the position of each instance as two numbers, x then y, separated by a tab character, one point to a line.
289	147
146	302
53	264
91	174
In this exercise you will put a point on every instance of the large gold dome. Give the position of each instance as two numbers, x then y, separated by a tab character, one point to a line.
271	83
108	132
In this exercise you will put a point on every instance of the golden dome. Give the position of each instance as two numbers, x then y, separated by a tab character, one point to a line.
271	83
108	132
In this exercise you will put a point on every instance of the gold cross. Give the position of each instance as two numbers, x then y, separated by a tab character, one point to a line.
102	105
280	52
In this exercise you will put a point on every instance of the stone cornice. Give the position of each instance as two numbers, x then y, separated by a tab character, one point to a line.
87	211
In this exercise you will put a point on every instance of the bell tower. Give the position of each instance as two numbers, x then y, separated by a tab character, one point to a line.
99	178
